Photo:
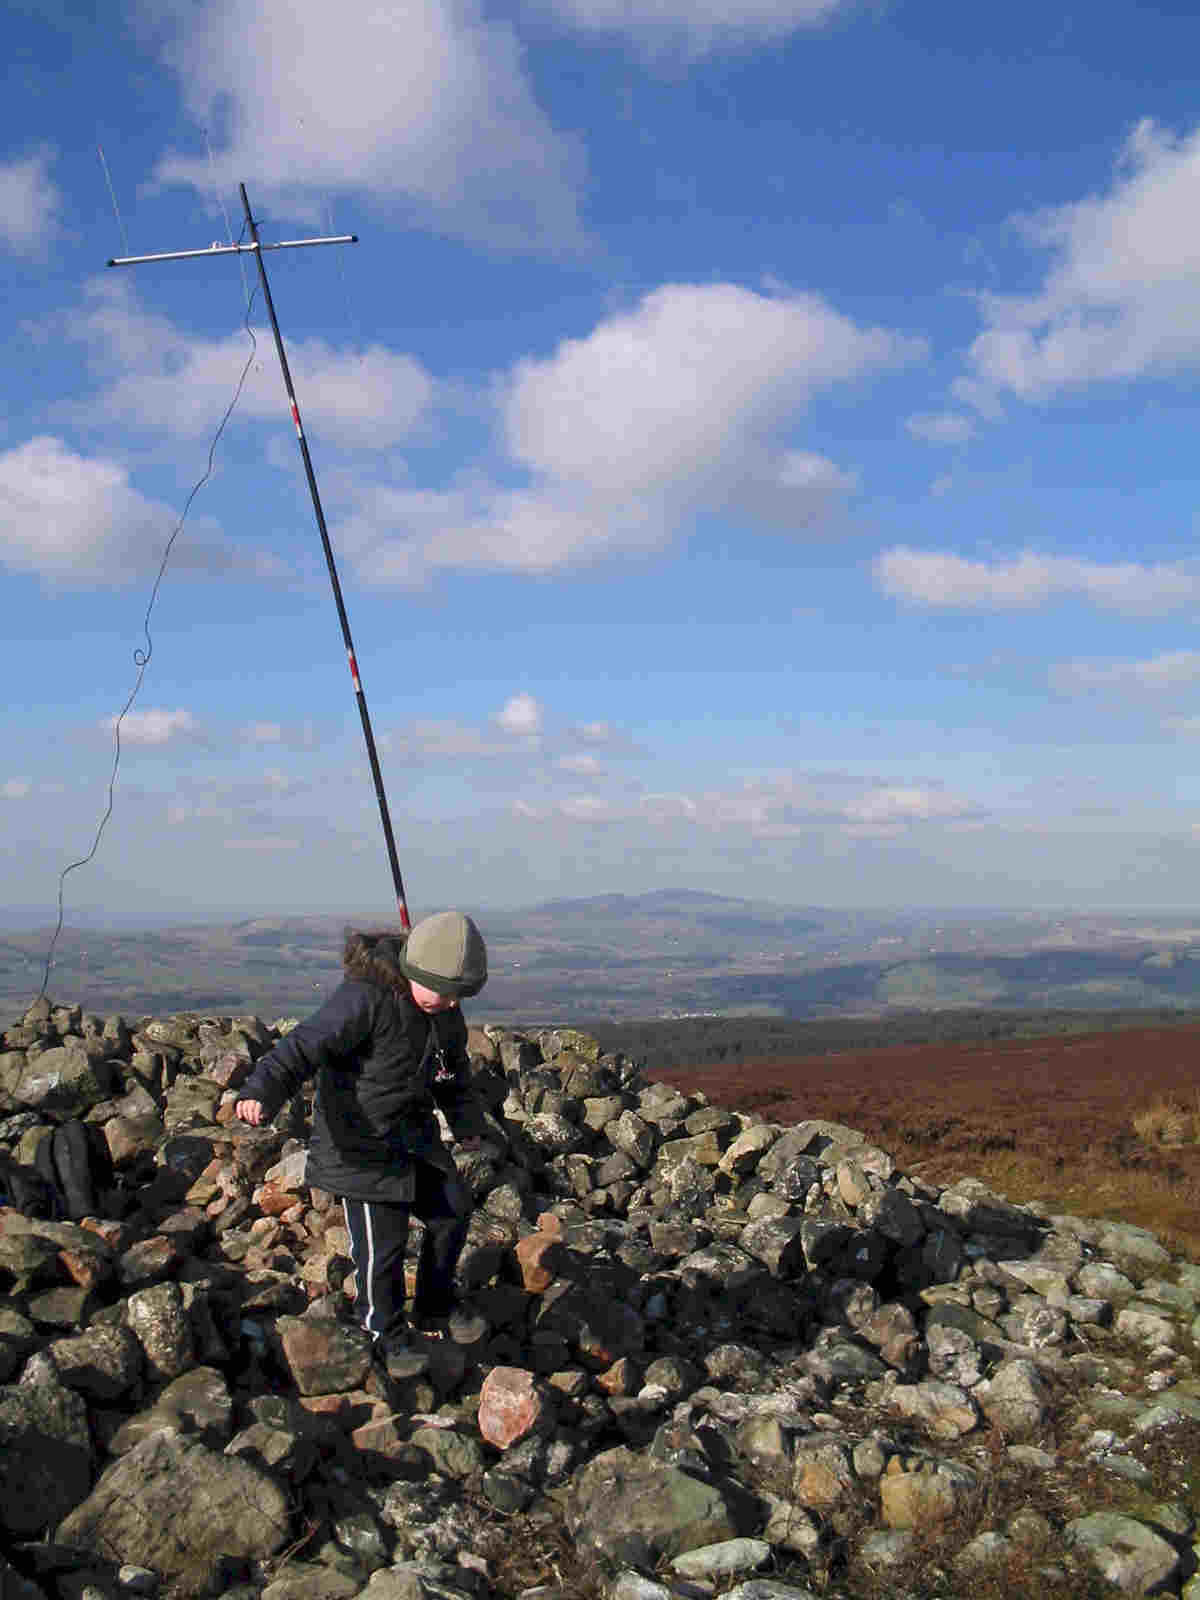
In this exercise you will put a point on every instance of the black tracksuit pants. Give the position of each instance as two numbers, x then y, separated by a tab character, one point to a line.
379	1239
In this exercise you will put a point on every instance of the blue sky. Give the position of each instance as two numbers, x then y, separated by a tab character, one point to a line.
758	442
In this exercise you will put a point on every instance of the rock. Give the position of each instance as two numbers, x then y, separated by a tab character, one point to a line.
102	1363
636	1511
197	1404
302	1580
45	1455
1016	1399
453	1454
539	1255
65	1080
778	1243
159	1322
919	1500
984	1550
1128	1553
885	1548
323	1355
943	1410
1130	1243
177	1507
722	1560
1146	1325
719	1329
512	1405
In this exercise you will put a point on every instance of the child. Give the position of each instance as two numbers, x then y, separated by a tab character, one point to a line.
387	1047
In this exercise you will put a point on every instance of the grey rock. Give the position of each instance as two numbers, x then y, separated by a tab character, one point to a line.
719	1307
196	1404
631	1510
1128	1553
159	1321
943	1410
102	1363
1134	1244
723	1560
175	1506
45	1455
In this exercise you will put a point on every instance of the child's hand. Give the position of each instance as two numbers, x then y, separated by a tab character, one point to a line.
250	1111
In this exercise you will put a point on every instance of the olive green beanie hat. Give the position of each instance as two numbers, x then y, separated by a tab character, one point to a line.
446	953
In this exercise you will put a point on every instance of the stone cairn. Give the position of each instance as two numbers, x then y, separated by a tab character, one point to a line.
708	1354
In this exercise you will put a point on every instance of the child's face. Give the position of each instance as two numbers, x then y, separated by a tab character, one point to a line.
429	1000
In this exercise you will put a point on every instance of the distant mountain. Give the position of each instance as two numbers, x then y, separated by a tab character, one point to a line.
666	953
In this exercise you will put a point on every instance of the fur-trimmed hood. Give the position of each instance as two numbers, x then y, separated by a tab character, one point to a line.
444	953
375	958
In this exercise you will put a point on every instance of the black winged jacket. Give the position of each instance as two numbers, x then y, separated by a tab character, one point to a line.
383	1066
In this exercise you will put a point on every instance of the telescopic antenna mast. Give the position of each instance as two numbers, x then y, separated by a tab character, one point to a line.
257	249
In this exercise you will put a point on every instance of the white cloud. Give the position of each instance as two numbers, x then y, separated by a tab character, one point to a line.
16	788
1161	674
778	807
77	519
1121	298
521	715
941	427
436	741
894	803
154	726
682	405
685	395
425	107
370	398
30	203
604	735
293	736
699	26
581	766
588	808
937	579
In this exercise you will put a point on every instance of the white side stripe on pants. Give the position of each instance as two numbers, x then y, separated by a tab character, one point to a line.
368	1266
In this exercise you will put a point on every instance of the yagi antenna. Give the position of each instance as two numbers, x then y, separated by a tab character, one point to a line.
257	249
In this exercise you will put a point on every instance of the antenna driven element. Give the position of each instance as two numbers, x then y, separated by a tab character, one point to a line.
231	249
257	249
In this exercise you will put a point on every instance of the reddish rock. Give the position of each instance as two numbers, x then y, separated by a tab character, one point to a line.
272	1199
481	1046
115	1234
622	1378
87	1268
571	1381
512	1405
352	1410
538	1257
208	1184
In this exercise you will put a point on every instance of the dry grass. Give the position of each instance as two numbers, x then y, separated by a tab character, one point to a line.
1047	1120
534	1550
1166	1121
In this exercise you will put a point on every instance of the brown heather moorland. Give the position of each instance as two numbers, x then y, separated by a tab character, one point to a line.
1100	1125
